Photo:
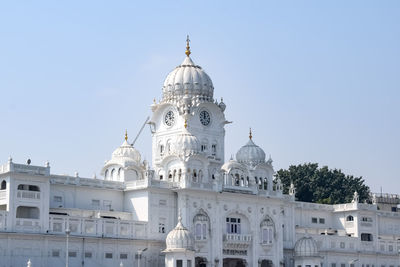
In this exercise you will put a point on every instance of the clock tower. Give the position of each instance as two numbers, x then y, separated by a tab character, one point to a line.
188	128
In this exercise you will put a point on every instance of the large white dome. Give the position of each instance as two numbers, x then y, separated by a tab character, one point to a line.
188	79
250	154
180	238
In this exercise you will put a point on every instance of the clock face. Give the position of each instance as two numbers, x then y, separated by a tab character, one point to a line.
169	118
204	118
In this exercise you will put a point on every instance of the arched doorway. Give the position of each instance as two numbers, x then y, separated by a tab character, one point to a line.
234	262
200	262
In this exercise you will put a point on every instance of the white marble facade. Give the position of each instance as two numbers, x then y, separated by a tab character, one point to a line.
231	213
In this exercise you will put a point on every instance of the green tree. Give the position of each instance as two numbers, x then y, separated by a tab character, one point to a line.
323	185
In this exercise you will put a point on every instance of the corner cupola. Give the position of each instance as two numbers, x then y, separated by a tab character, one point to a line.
250	153
125	163
180	238
126	153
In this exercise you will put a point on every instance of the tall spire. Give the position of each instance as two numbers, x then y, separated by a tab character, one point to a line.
126	135
187	52
250	134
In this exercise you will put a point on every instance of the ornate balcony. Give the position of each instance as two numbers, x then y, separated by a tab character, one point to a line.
237	241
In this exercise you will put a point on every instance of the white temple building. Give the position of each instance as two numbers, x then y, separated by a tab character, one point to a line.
188	207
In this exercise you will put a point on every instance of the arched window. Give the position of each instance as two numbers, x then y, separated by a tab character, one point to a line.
169	175
247	181
195	176
169	149
349	218
267	228
25	212
200	176
265	184
106	174
201	225
119	173
112	174
29	187
179	175
161	149
3	185
237	179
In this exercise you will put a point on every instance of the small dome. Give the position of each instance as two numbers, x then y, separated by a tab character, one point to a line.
188	79
231	164
186	144
180	237
306	247
250	154
126	152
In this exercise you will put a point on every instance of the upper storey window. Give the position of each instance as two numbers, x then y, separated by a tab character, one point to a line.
366	219
3	185
349	218
267	231
25	212
214	149
161	150
201	224
366	237
203	148
233	225
28	187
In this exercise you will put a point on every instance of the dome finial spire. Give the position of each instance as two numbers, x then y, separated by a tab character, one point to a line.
187	52
250	134
186	124
126	135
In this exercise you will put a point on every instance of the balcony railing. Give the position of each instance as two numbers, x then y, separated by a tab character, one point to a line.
29	225
237	241
25	194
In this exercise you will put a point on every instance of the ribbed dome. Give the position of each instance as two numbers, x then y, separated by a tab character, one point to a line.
180	237
186	144
250	154
230	165
189	79
306	247
126	152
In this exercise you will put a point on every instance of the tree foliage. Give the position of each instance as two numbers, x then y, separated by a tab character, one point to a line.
323	185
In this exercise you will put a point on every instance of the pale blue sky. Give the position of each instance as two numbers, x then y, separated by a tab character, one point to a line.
317	81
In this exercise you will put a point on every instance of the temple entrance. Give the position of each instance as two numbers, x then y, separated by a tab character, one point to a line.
232	262
266	263
200	262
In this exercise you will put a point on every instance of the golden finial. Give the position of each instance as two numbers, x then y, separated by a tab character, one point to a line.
126	135
154	100
187	52
185	123
250	134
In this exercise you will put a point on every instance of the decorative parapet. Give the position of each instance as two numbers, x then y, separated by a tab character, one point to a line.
340	243
99	227
78	181
23	168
